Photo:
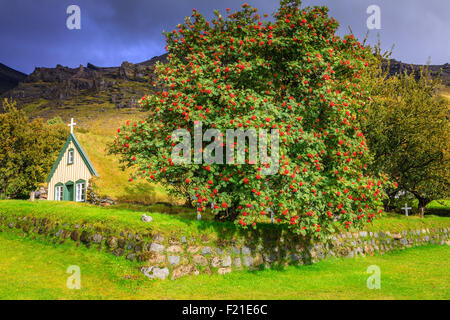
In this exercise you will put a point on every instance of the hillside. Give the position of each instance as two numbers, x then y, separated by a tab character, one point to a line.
398	67
9	78
84	92
95	135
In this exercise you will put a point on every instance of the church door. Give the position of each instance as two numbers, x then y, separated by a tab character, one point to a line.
68	195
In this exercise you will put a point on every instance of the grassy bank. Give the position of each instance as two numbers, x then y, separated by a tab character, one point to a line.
173	220
397	222
31	269
110	218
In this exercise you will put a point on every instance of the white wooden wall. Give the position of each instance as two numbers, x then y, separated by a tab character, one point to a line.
65	173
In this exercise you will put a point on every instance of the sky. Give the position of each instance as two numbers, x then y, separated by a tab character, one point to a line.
33	33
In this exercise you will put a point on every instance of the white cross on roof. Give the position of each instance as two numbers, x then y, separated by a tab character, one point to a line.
71	125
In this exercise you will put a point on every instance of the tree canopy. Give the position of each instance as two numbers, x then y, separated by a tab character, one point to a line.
407	128
28	150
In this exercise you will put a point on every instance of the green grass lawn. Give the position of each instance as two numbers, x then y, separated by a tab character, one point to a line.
31	269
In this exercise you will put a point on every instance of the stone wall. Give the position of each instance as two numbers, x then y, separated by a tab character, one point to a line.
171	257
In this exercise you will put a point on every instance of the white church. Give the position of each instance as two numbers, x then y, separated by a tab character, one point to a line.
70	175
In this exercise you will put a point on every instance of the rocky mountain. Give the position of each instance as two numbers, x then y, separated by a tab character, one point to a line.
47	89
397	67
9	78
89	90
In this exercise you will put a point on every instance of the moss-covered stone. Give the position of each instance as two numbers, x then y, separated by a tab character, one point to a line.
75	235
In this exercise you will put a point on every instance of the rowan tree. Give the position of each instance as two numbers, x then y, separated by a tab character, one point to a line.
241	71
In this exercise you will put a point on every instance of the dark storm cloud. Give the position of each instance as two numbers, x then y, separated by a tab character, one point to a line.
34	33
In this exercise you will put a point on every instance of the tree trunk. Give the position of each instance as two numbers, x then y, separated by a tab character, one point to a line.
229	215
4	188
423	202
188	202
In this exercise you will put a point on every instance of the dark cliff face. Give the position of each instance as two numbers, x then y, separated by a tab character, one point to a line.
121	86
9	78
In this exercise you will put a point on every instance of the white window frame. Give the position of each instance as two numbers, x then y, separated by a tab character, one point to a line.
80	192
70	156
59	193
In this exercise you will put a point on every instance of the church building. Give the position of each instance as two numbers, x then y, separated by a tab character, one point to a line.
71	172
